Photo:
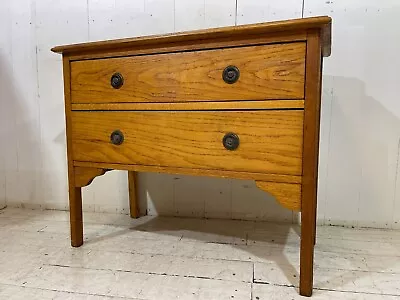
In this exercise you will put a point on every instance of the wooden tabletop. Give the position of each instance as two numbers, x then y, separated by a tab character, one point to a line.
323	23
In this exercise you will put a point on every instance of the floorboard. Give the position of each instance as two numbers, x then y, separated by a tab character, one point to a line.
182	258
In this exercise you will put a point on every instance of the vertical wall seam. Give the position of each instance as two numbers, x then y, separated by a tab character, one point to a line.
35	41
204	13
236	12
10	55
329	151
88	20
174	16
14	91
395	185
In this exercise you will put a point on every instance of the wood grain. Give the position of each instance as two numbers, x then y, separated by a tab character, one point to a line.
194	172
287	194
84	176
310	161
133	195
192	37
220	105
174	110
207	44
270	141
75	194
266	72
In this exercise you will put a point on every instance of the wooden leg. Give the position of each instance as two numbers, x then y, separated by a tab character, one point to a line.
310	161
133	194
307	252
75	213
78	178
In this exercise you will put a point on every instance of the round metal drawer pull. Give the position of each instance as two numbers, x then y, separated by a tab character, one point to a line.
231	74
117	137
231	141
117	80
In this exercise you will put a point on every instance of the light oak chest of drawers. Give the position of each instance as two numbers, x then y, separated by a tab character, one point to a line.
238	102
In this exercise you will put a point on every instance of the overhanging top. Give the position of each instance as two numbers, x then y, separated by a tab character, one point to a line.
321	23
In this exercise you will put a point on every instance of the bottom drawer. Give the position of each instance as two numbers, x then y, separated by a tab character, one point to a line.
268	141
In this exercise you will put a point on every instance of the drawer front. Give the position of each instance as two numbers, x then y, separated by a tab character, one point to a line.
265	72
269	141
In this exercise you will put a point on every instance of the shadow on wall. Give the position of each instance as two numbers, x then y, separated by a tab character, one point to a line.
208	197
359	159
19	136
357	174
6	110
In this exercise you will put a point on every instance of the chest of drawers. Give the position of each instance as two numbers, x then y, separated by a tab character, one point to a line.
237	102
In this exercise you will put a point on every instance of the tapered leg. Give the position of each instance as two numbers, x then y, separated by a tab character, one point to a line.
307	251
310	161
76	220
75	196
133	194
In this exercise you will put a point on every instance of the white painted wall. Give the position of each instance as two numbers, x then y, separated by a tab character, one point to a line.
360	130
4	54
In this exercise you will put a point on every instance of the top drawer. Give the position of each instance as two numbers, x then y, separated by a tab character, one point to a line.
265	72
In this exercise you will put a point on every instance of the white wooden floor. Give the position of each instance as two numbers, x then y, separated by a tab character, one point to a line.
171	258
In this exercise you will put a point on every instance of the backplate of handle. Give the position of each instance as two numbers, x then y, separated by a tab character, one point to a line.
231	141
231	74
117	137
117	80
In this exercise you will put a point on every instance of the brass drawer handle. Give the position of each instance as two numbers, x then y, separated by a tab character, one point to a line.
231	74
231	141
117	137
117	80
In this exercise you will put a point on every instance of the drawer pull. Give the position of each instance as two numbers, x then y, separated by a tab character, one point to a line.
231	141
231	74
117	137
117	80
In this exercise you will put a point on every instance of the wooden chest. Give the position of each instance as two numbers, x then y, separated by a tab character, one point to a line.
238	102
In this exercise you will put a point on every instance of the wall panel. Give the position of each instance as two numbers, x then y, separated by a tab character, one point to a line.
360	133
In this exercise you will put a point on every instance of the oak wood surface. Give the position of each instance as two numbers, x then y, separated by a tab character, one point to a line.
310	161
84	176
266	72
133	194
75	195
320	23
76	216
270	141
219	105
174	110
206	44
287	194
194	171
